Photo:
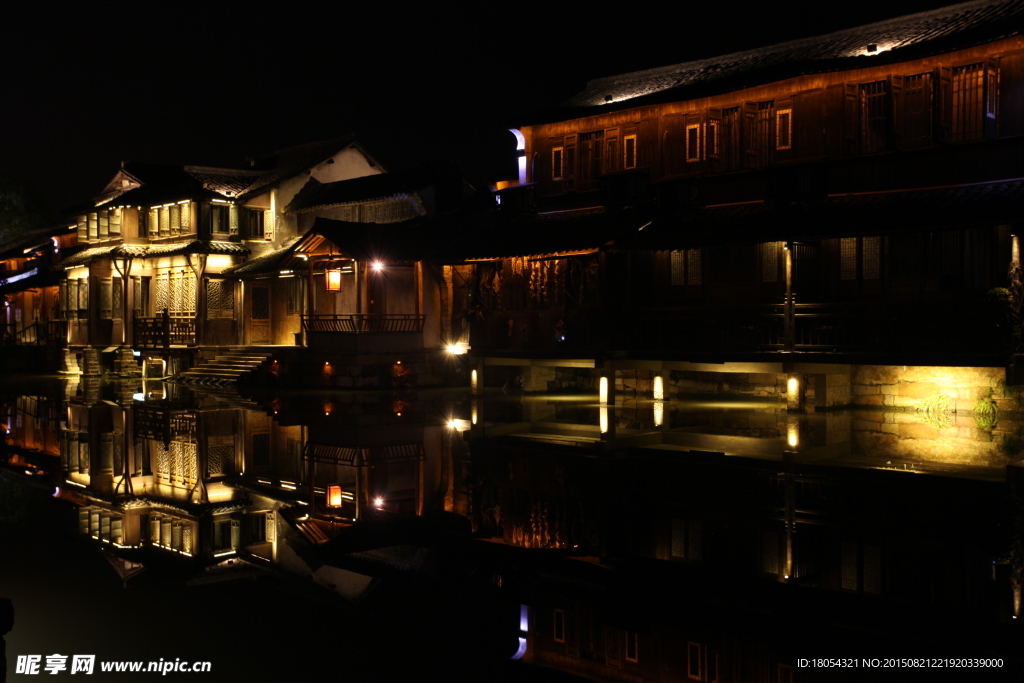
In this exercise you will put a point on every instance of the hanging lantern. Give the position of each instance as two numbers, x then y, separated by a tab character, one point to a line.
334	496
333	279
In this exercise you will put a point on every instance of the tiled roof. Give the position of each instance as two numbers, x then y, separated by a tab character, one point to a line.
153	251
896	40
315	195
224	181
290	162
265	264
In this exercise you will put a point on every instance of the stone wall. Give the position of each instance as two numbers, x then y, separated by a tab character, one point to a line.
946	437
932	389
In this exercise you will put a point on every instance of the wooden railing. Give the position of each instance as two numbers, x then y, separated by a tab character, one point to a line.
40	333
164	331
975	328
363	323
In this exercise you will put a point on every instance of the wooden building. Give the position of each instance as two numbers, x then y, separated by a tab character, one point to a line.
848	197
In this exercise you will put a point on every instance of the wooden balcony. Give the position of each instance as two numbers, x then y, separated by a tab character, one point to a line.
40	333
164	331
363	323
364	332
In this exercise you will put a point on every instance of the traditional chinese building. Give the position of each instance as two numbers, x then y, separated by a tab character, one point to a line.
842	199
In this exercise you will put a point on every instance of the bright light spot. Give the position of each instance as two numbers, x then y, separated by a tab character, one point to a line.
139	397
792	385
603	391
474	384
659	414
524	618
378	266
522	648
458	349
604	419
137	353
56	492
378	502
659	388
451	424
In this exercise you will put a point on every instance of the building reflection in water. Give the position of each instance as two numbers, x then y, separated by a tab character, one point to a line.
634	540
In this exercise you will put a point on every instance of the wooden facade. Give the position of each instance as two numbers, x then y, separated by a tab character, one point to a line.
869	207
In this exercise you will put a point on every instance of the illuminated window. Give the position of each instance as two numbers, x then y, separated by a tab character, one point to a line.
629	151
693	142
685	267
784	129
557	163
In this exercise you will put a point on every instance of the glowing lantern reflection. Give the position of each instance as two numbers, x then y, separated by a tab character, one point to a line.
334	496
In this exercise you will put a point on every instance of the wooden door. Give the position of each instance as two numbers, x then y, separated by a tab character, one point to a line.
259	314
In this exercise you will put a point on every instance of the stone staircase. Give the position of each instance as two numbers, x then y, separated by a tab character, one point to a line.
225	370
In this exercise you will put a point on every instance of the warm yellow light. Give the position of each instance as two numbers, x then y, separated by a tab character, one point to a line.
473	413
603	390
474	384
378	502
333	280
457	349
604	419
792	385
659	414
334	497
659	388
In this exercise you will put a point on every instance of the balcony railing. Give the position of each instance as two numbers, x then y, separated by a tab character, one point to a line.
40	333
164	331
363	323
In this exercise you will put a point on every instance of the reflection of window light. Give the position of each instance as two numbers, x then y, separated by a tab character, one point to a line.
604	419
659	388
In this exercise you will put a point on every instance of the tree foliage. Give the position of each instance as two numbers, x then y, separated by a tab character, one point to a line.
21	209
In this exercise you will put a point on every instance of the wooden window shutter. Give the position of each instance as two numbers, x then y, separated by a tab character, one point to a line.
749	135
944	103
851	118
569	169
991	99
896	111
693	141
713	134
612	153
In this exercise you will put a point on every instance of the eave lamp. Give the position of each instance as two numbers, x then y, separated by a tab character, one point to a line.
334	496
333	279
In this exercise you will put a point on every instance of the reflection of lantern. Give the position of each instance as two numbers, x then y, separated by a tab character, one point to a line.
333	279
334	496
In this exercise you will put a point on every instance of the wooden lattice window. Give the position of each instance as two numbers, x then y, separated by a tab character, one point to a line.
975	90
220	299
917	111
557	163
693	142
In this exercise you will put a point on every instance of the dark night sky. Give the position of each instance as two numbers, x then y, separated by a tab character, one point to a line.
206	84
